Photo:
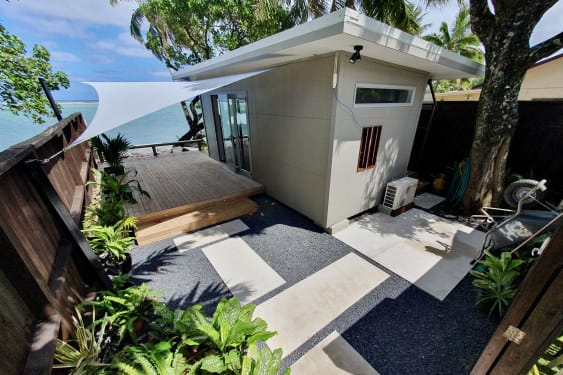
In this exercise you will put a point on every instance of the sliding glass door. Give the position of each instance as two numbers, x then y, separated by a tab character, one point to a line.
231	113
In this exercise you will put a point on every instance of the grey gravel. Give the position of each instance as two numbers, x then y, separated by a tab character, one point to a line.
397	328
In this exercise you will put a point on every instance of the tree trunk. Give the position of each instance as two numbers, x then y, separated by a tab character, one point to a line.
497	117
193	119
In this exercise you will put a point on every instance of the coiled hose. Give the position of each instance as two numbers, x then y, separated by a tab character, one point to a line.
459	183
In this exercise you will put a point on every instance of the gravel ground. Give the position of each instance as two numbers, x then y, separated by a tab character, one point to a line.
396	327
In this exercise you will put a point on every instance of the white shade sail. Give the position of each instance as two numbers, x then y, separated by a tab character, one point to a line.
121	102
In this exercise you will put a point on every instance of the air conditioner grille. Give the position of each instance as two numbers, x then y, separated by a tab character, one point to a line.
400	193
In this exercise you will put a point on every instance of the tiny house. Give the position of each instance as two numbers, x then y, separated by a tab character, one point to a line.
322	127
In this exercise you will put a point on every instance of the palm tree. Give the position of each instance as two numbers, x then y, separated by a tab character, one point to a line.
459	37
398	13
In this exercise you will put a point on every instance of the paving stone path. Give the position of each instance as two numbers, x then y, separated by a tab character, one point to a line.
383	296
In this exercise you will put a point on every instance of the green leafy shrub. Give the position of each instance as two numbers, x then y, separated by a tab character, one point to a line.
141	335
111	243
114	191
498	282
126	311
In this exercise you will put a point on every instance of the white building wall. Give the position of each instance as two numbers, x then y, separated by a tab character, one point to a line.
290	116
352	192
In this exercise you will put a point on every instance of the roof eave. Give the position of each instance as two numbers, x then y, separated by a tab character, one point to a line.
354	24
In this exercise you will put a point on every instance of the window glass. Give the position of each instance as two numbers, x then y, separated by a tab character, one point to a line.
381	95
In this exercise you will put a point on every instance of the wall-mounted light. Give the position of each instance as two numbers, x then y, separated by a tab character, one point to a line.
356	56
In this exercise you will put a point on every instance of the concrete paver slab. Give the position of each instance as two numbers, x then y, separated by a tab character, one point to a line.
209	235
302	310
246	275
332	356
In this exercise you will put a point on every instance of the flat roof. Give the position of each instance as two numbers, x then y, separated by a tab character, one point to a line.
338	31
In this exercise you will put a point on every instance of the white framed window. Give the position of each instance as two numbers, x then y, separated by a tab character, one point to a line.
376	95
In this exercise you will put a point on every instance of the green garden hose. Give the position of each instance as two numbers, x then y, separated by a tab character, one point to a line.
459	183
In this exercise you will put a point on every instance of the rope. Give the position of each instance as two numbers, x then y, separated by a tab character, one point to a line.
47	160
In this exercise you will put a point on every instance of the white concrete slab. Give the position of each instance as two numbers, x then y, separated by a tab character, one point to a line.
428	200
302	310
245	273
406	260
332	356
209	235
427	250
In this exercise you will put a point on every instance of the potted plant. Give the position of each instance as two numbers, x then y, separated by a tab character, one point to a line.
112	243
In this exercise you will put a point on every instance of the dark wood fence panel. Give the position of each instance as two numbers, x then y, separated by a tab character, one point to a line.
537	310
535	150
17	327
46	267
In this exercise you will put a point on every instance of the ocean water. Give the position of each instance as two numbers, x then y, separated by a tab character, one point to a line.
166	125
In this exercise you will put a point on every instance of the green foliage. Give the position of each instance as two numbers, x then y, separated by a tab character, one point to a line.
459	37
187	32
20	90
115	190
81	355
151	359
112	150
498	282
258	362
398	13
111	241
119	188
551	361
144	336
126	310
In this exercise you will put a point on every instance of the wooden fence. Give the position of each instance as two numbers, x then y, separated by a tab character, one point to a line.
535	151
534	319
46	264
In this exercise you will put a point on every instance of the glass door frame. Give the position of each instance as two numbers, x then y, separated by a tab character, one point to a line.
237	138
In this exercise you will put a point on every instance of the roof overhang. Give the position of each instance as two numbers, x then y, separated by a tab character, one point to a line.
338	31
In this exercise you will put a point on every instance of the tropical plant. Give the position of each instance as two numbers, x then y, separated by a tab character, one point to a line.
114	191
231	325
111	243
458	37
498	282
127	310
141	335
398	13
112	150
184	32
82	354
120	188
151	359
20	90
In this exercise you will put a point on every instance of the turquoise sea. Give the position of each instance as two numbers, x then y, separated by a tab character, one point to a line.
166	125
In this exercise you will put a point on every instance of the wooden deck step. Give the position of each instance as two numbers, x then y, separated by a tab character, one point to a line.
204	216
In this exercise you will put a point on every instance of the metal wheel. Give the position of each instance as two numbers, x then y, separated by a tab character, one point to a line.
518	189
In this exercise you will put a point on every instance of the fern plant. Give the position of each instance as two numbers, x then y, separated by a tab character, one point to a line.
497	283
151	359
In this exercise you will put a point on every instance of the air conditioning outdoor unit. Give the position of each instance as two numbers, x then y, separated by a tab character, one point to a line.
399	193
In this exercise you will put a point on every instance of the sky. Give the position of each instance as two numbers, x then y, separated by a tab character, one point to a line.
90	41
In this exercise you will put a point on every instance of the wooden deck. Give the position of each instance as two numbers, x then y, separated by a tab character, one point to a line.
184	183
